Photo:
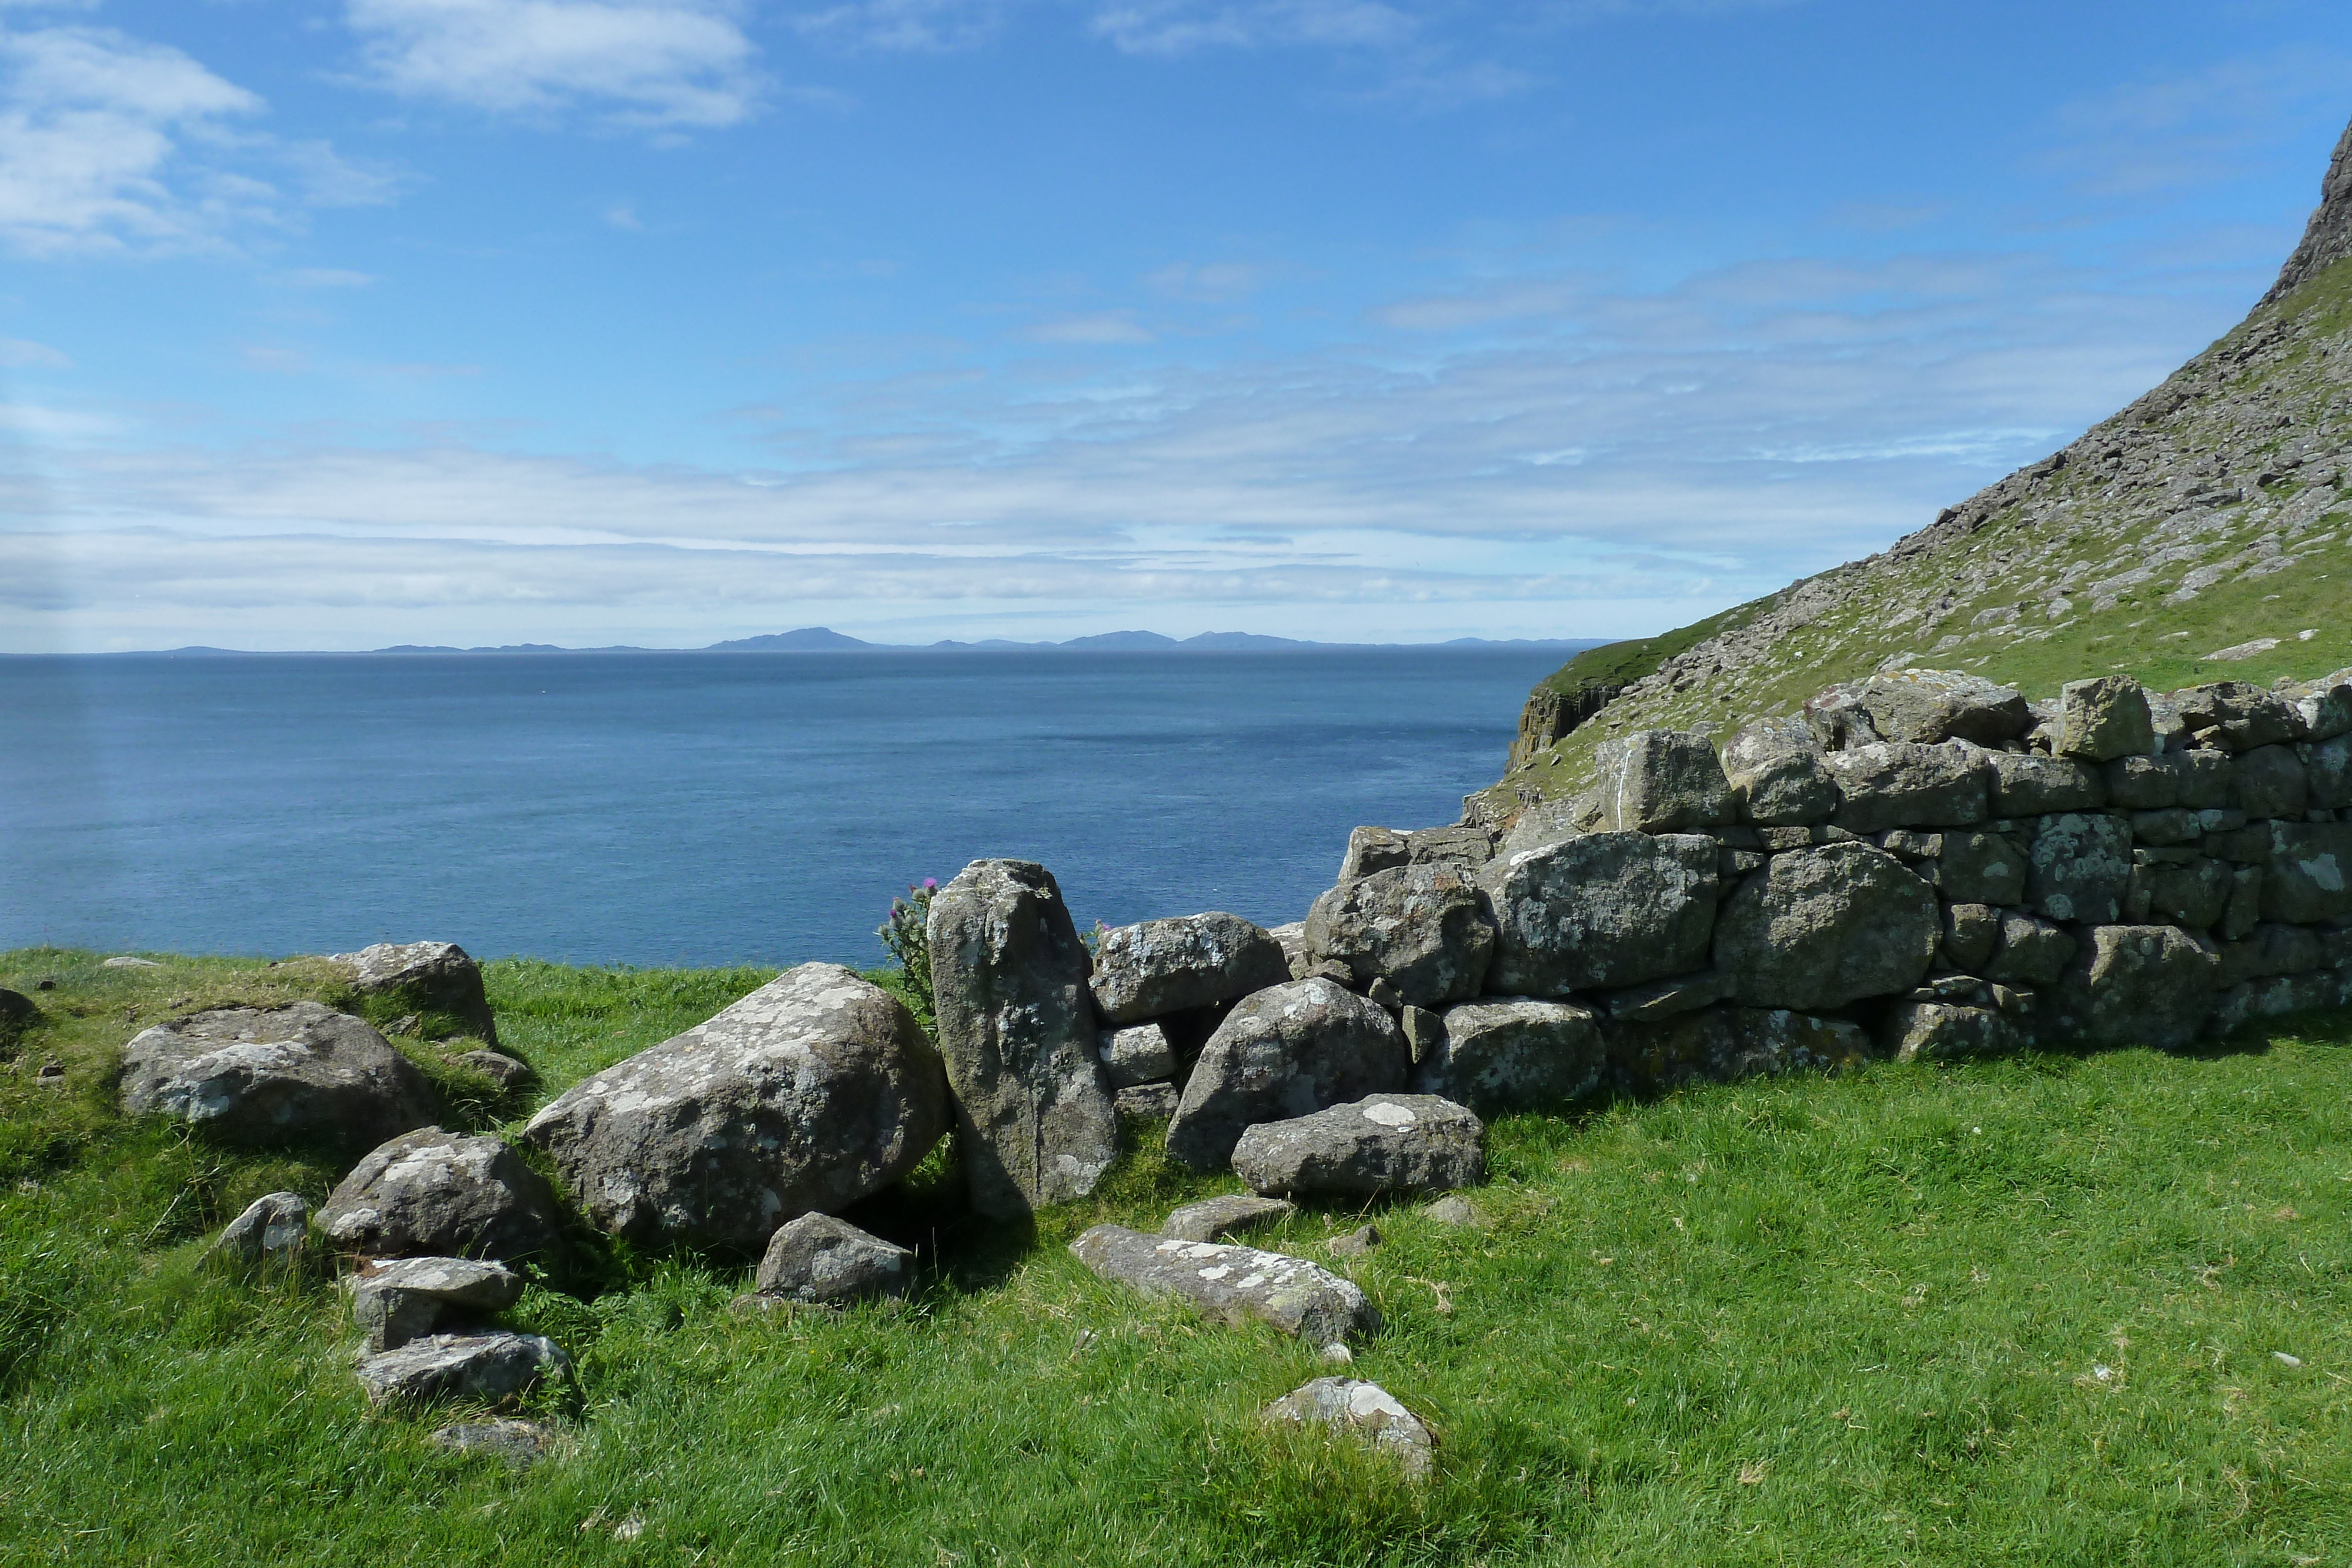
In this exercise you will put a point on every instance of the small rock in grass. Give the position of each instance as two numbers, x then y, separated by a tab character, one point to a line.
1236	1284
1357	1243
1383	1143
827	1261
270	1230
1220	1219
517	1444
494	1368
1458	1211
442	1195
1364	1411
410	1298
505	1071
127	962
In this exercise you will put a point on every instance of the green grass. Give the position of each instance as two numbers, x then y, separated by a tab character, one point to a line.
1811	1321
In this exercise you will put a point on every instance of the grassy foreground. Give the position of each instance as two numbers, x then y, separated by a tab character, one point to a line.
2032	1312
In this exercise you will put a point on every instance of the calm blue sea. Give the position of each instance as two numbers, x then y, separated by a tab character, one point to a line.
705	809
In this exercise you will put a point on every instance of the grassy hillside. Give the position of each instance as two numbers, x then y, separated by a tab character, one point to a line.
2024	1312
2211	513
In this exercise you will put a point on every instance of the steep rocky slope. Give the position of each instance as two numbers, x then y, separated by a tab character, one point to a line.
2199	533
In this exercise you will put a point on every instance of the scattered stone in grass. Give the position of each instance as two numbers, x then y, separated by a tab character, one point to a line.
1222	1219
127	962
53	1071
1147	1102
2283	1359
494	1368
270	1230
827	1261
45	985
1459	1211
406	1023
507	1073
1364	1411
1357	1243
408	1298
1382	1143
1335	1355
441	1195
519	1444
1233	1283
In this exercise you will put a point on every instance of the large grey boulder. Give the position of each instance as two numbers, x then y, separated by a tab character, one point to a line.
409	1298
442	1195
1363	1411
1723	1044
1234	1284
1776	773
1659	781
1381	1143
1903	784
2101	719
297	1073
1037	1119
2079	867
2237	715
1161	966
1513	1053
1222	1219
2137	985
816	1090
1289	1051
494	1368
270	1230
1421	927
1825	926
2027	785
2309	877
825	1261
1932	706
1980	867
1601	911
438	976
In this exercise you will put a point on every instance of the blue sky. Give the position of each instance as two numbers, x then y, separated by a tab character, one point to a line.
334	323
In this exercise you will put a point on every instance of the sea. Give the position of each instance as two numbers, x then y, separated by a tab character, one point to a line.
705	809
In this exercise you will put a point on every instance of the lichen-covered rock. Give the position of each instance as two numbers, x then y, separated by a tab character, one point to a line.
1138	1053
2144	783
519	1444
1839	718
1544	822
2309	877
2191	893
442	1195
494	1368
2280	996
1364	1411
1513	1053
1222	1219
2327	773
1944	1031
1161	966
1382	1143
1980	867
1901	784
2025	785
2236	715
816	1090
2032	951
1659	781
1932	706
2269	951
1289	1051
2103	718
1035	1116
1722	1044
827	1263
1421	927
1374	849
507	1073
1601	911
1462	847
1664	999
299	1073
408	1298
2269	781
1777	775
2079	867
2137	985
1234	1284
1147	1102
270	1230
2323	707
1971	932
435	975
1825	926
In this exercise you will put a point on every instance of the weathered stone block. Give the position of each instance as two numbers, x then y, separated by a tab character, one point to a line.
2103	718
258	1076
1776	773
1971	932
1903	785
2026	785
1286	1051
1513	1054
820	1260
2137	985
1234	1284
2079	867
1601	911
1943	1031
1161	966
1980	867
2238	715
1721	1044
2269	781
1424	929
1382	1144
442	1195
1932	706
1822	928
2032	951
1659	781
2309	877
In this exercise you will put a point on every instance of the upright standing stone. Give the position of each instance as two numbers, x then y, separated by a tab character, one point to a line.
1038	1120
1776	773
1659	781
2100	720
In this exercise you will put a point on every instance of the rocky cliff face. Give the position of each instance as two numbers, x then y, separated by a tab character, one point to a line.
2202	532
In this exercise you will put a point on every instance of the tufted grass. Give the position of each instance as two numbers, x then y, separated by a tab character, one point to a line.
1851	1320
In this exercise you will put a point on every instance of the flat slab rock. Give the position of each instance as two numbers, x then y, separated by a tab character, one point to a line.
1161	966
273	1075
519	1444
1236	1284
1382	1143
1362	1410
492	1367
1217	1218
409	1298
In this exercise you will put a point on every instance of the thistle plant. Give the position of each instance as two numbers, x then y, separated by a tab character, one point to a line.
902	935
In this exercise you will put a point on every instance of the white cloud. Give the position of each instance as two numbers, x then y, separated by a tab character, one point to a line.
37	423
113	144
2221	123
928	26
1181	26
625	216
19	354
656	63
1212	283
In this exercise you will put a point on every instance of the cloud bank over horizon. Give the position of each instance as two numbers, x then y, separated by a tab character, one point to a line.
665	321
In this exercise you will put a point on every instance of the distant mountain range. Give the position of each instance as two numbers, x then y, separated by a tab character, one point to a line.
825	640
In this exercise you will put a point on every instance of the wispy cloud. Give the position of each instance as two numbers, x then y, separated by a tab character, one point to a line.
324	278
2170	133
1103	326
22	354
924	26
1181	26
663	64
